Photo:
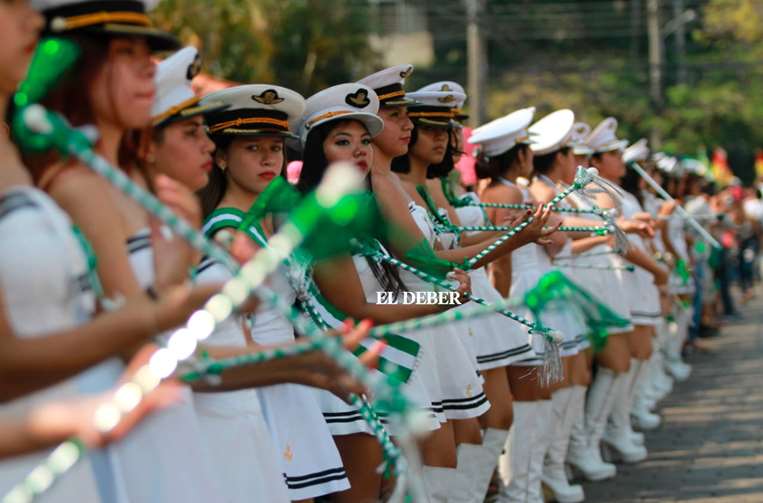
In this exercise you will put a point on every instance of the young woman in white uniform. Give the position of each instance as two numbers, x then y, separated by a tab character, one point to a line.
505	156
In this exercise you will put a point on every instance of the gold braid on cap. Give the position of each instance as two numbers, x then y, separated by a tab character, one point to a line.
175	109
393	94
249	120
448	115
327	115
74	22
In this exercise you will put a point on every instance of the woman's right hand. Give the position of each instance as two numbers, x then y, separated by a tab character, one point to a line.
537	230
52	422
321	371
464	288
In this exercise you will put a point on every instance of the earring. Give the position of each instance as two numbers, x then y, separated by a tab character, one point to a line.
222	165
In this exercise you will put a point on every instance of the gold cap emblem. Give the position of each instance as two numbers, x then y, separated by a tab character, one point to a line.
268	97
358	99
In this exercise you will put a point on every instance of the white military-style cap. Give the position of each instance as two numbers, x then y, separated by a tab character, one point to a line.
434	108
175	99
388	84
104	18
668	164
580	131
459	96
501	135
637	152
255	109
603	139
342	102
552	132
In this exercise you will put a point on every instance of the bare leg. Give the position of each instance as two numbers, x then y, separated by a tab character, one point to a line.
361	456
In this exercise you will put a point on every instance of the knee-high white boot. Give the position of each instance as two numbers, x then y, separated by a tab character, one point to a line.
641	416
586	457
477	462
514	464
652	390
679	331
662	382
545	422
578	436
618	432
554	475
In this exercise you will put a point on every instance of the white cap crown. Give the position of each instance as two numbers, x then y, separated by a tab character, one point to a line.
351	101
553	132
501	135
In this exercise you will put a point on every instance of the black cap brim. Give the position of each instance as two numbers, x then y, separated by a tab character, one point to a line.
158	40
255	132
191	112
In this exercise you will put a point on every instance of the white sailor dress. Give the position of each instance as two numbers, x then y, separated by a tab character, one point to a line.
677	236
344	418
500	341
241	450
459	381
643	295
608	285
43	276
163	459
307	454
528	265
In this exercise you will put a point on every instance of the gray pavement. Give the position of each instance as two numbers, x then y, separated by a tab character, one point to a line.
710	445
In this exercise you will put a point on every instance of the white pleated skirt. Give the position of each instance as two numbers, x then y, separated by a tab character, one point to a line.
497	341
240	448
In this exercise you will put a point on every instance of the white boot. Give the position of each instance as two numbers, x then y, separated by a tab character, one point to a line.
445	485
578	436
477	462
617	438
514	464
658	383
546	426
674	364
554	476
585	457
640	414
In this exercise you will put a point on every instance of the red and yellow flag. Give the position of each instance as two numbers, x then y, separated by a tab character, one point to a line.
759	164
719	166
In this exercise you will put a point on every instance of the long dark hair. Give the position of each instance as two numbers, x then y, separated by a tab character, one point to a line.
217	184
542	164
630	183
314	166
70	96
496	167
402	164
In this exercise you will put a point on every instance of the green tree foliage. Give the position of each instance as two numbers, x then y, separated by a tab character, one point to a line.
306	45
590	56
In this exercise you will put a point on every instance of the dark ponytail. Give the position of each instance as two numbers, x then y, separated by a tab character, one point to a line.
497	166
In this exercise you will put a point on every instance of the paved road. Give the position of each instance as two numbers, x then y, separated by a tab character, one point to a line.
710	446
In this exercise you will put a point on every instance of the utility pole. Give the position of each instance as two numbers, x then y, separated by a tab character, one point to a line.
655	62
635	41
476	62
680	40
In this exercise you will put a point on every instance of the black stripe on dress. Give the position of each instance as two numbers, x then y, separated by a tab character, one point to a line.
503	354
314	479
465	403
13	202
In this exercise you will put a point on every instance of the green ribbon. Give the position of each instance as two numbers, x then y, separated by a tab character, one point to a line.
554	288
